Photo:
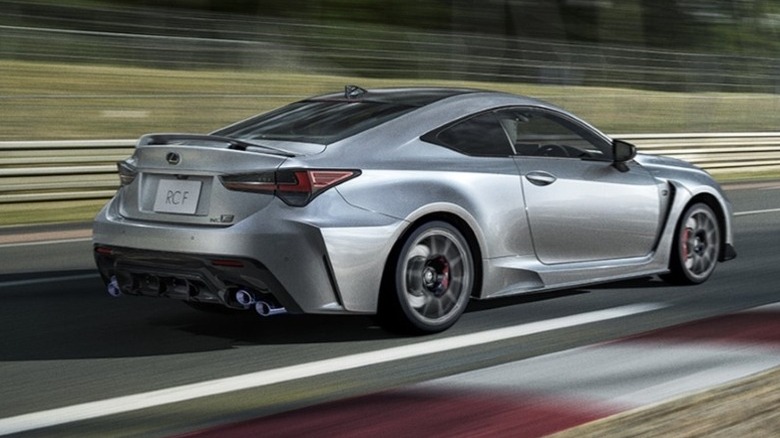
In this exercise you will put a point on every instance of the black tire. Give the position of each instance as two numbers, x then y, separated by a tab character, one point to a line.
428	280
696	246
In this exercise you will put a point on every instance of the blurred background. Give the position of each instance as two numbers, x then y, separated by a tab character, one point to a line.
108	69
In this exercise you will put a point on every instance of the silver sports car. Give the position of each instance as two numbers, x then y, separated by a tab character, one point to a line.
404	203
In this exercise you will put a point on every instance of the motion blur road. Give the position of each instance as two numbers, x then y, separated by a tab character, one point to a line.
65	342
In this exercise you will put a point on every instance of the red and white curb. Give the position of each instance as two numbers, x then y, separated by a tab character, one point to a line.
550	393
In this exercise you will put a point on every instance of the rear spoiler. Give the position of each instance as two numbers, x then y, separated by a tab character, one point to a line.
230	143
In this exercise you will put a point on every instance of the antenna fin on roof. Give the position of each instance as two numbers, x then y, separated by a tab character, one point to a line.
353	91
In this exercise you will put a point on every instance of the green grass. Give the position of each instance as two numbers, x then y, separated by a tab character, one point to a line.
40	101
62	101
28	213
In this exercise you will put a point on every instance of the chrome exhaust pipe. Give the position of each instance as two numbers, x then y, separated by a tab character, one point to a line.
244	298
113	287
267	309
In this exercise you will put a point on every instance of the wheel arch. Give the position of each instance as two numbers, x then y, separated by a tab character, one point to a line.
456	221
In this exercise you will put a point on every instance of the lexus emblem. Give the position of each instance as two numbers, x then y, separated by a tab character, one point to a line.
173	158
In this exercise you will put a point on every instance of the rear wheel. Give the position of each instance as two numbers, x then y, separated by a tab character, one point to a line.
429	281
696	246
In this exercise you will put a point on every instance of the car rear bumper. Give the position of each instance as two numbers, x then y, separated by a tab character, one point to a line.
190	277
298	258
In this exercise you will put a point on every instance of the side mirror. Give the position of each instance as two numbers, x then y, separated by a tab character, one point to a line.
622	152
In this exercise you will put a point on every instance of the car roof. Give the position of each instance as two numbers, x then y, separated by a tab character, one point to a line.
437	107
424	96
413	96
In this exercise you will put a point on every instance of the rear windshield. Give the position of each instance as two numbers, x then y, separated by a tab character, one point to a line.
316	121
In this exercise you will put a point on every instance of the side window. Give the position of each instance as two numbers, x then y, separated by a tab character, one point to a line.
480	135
540	133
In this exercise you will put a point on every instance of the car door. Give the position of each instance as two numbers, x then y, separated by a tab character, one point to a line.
579	206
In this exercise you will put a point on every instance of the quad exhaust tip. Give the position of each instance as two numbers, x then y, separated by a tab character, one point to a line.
266	309
244	298
241	296
113	287
263	308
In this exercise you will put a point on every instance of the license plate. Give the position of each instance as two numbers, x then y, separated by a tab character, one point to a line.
177	196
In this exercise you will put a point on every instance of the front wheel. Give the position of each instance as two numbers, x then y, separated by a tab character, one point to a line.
696	246
428	281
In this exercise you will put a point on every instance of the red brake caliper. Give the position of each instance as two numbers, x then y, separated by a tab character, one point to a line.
445	281
686	235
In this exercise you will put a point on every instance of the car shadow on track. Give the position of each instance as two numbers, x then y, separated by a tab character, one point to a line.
495	303
635	283
75	319
531	297
248	328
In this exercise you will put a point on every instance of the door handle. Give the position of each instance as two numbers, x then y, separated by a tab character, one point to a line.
539	178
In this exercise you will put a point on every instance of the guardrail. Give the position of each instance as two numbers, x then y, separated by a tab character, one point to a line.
718	153
41	171
35	171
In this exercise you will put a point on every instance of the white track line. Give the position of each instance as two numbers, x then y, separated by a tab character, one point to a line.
102	408
746	213
45	242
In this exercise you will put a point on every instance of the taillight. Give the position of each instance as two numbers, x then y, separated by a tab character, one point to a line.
295	187
127	173
250	182
104	251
